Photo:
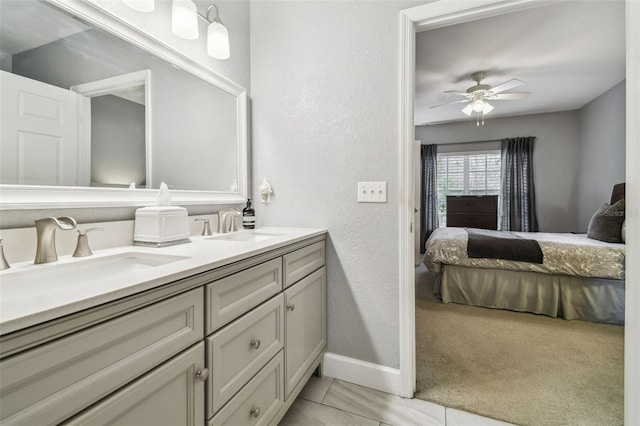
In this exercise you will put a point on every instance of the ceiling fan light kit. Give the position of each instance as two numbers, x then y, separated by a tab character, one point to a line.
477	96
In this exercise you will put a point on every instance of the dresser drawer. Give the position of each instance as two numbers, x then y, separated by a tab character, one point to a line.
47	384
236	294
302	262
472	221
259	401
241	349
471	204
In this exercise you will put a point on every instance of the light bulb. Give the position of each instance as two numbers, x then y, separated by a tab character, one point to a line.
218	40
184	19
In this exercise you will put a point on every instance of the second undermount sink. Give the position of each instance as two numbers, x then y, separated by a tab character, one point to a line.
248	236
83	270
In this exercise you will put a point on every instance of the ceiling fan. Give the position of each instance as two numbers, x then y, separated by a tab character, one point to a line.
476	96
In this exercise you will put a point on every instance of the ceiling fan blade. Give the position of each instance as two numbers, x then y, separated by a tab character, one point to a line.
510	96
507	85
456	92
454	102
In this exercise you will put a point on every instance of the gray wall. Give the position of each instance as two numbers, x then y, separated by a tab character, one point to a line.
555	158
602	151
324	83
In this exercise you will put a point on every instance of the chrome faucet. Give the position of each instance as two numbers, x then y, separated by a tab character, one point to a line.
227	221
46	230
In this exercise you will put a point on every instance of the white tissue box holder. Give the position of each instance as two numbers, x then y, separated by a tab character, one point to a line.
161	226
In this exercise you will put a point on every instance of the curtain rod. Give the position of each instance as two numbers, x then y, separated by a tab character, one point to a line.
457	143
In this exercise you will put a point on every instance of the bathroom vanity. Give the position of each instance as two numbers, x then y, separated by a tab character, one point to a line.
224	330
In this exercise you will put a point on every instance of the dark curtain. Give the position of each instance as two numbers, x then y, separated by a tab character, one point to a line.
518	206
429	195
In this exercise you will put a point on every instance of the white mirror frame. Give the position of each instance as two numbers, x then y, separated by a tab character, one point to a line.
22	197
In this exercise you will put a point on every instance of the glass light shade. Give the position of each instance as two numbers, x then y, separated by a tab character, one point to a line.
478	105
218	41
184	19
468	109
141	5
486	109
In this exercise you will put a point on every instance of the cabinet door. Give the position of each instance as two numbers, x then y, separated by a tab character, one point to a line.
305	325
171	394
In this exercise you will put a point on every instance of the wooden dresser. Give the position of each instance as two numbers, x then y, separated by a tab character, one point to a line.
472	211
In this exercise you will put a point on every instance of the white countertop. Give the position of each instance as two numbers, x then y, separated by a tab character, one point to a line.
32	294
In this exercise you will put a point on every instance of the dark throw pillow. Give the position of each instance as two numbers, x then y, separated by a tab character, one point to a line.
606	223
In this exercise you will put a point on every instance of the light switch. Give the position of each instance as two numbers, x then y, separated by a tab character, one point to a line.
372	192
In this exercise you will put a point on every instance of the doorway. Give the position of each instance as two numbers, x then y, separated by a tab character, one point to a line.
439	14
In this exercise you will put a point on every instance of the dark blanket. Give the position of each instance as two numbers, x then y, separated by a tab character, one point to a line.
502	245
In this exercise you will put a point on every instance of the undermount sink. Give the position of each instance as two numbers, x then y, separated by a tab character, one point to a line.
82	270
247	236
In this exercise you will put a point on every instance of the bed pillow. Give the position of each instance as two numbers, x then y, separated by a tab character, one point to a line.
606	223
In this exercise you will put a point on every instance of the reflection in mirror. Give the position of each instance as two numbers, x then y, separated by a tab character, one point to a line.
182	130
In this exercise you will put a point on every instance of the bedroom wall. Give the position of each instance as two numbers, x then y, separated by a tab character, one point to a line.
555	157
602	151
325	108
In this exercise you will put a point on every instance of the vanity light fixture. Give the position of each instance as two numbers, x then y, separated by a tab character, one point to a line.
141	5
184	19
217	35
184	23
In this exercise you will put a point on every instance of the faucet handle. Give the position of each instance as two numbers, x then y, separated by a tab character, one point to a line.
82	248
206	228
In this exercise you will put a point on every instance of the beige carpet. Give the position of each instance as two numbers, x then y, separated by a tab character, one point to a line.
521	368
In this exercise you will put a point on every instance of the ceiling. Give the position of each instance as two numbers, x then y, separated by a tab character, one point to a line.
567	54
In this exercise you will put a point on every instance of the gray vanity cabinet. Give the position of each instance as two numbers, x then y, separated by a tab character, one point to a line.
231	345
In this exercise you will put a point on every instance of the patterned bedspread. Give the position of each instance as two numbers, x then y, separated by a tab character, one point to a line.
564	254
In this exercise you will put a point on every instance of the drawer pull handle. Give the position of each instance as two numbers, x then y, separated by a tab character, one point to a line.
203	374
255	343
255	411
291	306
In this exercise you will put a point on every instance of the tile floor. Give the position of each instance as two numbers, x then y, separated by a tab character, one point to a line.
327	401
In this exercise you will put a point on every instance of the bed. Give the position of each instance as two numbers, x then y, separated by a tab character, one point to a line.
576	278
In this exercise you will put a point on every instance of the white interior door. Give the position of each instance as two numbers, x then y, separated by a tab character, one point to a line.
39	140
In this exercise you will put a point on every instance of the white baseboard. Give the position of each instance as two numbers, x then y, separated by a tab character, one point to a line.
368	374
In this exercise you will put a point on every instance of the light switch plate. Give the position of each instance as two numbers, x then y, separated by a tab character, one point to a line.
372	192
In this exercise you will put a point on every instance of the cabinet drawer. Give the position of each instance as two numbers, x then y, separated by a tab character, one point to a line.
485	204
169	395
241	349
236	294
47	384
259	401
473	221
302	262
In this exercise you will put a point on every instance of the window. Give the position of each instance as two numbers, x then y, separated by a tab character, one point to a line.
466	173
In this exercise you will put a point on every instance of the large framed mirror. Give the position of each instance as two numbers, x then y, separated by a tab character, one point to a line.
96	113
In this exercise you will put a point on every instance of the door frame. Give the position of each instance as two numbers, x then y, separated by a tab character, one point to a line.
109	86
441	13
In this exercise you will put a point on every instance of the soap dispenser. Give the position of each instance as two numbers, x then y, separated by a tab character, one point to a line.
248	216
